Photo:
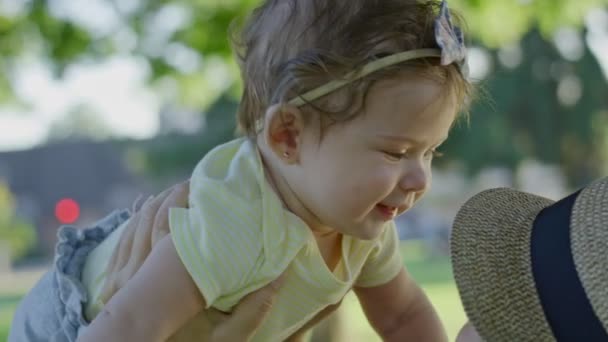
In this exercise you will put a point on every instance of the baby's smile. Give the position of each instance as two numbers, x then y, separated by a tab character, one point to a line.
387	212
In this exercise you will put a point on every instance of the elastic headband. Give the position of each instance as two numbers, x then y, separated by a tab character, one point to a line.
449	38
366	70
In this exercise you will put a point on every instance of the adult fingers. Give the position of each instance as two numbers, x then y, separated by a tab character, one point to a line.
142	239
118	259
216	317
178	198
132	247
249	314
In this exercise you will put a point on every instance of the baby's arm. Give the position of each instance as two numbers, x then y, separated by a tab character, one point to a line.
154	304
400	311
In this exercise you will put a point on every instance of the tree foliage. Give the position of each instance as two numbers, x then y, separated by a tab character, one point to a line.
50	30
18	234
546	108
523	116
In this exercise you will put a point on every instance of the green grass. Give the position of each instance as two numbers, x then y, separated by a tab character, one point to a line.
435	276
8	303
432	273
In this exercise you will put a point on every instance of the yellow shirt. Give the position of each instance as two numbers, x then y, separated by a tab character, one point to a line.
236	236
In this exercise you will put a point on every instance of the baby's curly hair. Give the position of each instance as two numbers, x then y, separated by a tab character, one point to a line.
287	47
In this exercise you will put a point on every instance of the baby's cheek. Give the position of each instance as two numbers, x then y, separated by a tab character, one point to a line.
354	200
366	188
384	182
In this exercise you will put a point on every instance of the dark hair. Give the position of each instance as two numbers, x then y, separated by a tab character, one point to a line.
287	47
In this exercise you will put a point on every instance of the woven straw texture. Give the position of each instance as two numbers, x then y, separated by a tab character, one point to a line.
491	259
589	239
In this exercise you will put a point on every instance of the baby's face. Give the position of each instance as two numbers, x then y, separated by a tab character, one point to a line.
367	171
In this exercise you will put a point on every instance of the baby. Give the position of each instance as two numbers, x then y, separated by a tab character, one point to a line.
345	104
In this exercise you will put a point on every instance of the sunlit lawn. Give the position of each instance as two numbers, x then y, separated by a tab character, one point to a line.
7	306
434	274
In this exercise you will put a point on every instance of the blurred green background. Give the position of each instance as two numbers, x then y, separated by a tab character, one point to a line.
105	100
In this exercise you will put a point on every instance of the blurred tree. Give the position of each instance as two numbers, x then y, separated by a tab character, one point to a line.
499	22
546	107
171	36
80	122
175	37
536	112
19	235
177	154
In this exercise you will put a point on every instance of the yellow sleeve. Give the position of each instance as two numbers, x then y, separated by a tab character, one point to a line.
218	243
384	262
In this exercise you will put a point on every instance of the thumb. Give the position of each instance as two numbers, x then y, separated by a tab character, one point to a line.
250	313
256	306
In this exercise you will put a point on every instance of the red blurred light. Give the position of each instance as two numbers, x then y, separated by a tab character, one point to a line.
67	211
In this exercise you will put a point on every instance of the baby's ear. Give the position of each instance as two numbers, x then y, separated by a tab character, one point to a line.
283	129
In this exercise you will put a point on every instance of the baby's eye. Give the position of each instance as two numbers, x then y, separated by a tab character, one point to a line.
395	155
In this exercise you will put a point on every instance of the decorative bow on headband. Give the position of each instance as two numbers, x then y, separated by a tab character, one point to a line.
450	40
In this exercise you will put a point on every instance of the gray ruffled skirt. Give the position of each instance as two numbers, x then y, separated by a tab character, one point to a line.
53	309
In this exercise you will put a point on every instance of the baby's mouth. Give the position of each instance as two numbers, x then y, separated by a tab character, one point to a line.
387	212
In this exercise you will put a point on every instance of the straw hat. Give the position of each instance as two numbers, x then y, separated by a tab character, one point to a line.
532	269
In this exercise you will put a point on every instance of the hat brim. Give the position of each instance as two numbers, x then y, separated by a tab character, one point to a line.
590	245
490	248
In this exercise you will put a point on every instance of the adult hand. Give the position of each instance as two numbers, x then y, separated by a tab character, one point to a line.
240	326
146	227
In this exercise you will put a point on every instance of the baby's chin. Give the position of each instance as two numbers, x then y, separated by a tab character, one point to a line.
369	231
